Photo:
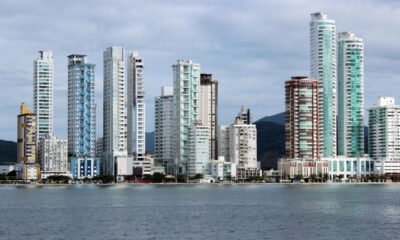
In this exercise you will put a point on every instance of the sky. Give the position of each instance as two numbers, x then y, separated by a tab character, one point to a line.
250	46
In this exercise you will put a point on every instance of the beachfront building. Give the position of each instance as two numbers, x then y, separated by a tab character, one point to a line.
164	130
136	107
209	109
81	118
53	155
351	95
27	166
199	149
345	168
186	75
384	135
323	69
114	111
43	71
301	119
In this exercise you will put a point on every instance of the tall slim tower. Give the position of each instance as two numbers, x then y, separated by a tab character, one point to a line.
164	129
81	117
301	119
209	110
187	106
351	95
27	166
323	69
43	93
136	107
114	109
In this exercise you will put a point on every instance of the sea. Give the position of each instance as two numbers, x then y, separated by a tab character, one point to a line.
200	211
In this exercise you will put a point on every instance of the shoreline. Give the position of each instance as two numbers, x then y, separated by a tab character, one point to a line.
162	184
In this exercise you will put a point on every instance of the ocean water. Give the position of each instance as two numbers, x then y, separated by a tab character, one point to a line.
200	211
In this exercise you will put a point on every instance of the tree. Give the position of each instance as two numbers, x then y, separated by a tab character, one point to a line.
158	177
229	178
106	178
312	177
181	177
197	176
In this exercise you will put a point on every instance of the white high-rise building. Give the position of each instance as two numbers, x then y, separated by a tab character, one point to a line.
209	109
43	93
136	107
199	149
187	107
164	130
384	135
323	69
114	110
351	95
243	145
53	155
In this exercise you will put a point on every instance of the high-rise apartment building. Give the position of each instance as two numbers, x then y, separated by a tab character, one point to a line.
164	130
136	107
301	119
81	117
223	142
323	69
27	166
209	109
43	93
187	107
114	109
53	155
384	135
351	95
199	149
243	145
244	115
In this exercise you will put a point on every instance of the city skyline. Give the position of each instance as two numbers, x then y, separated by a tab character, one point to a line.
249	66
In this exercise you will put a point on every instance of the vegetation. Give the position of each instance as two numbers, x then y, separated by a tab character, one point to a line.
256	179
58	179
270	143
106	178
181	178
198	176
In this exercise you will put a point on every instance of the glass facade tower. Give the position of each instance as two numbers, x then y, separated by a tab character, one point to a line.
323	69
351	95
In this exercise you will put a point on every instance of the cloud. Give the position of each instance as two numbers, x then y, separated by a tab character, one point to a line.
250	46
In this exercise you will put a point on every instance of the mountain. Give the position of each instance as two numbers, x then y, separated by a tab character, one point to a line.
270	143
277	118
8	151
150	142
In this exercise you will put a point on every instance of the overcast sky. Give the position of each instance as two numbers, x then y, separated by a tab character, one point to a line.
250	47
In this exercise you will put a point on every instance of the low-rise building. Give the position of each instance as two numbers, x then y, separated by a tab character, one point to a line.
349	167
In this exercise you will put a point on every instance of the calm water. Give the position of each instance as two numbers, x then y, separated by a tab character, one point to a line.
200	212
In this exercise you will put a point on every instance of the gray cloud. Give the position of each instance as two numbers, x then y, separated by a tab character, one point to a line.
250	46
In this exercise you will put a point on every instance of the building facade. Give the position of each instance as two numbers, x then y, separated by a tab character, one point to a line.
209	109
301	119
43	70
53	155
136	107
323	69
199	149
243	145
384	135
27	166
164	130
81	118
187	107
244	115
351	95
114	109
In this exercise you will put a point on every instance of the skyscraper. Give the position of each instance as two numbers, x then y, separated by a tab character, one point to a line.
43	93
301	119
136	107
187	106
27	166
244	115
323	69
199	149
164	130
209	109
81	117
351	95
384	135
114	109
